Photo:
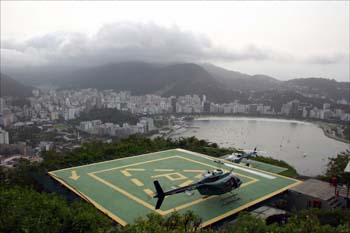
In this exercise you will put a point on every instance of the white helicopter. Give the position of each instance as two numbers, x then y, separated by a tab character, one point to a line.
237	157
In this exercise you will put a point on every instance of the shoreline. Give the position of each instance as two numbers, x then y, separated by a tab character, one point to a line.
329	135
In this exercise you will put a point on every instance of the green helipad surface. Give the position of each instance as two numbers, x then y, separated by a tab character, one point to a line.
265	166
123	188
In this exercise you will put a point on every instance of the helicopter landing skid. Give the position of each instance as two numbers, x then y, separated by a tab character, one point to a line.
229	199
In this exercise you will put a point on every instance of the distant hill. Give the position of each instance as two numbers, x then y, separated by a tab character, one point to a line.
145	78
262	83
240	81
10	87
324	87
219	84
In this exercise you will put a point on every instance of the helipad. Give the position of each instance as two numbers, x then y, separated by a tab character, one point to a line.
123	188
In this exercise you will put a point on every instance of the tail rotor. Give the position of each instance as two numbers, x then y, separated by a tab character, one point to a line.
160	194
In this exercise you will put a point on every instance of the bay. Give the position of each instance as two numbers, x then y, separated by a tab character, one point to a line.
301	144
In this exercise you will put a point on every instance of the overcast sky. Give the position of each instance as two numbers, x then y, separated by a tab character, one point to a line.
282	39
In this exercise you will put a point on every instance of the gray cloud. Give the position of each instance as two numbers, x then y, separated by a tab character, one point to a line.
327	59
135	41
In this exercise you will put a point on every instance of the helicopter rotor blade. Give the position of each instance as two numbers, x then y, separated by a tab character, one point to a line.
257	151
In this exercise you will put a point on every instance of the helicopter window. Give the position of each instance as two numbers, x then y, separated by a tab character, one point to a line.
232	181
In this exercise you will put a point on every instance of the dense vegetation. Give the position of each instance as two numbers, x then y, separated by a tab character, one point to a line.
330	88
26	206
312	220
110	115
32	135
25	210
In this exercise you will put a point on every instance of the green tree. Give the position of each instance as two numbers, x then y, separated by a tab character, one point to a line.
336	166
85	218
245	223
176	223
26	210
110	115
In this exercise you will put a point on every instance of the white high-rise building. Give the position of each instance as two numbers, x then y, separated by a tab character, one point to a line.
326	106
4	137
148	122
2	104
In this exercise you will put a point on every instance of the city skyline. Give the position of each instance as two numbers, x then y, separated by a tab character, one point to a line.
68	117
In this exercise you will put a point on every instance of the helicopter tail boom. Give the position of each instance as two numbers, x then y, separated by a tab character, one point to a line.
160	194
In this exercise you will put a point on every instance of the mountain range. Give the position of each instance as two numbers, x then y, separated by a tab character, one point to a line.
239	81
220	85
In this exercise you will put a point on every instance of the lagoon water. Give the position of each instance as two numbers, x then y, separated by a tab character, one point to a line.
301	144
